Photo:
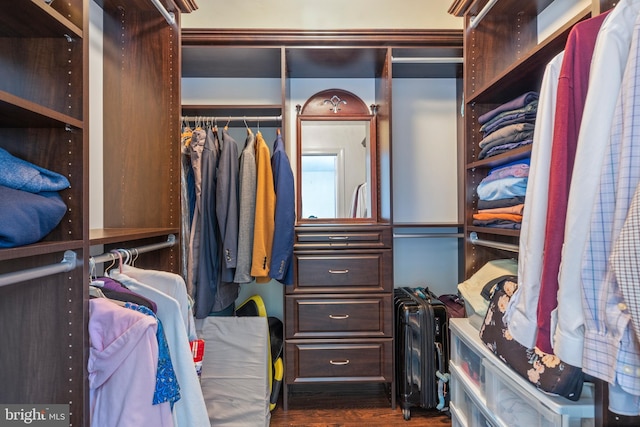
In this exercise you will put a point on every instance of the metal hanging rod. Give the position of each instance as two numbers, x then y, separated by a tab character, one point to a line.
112	256
232	118
68	263
426	60
473	238
170	17
474	20
427	235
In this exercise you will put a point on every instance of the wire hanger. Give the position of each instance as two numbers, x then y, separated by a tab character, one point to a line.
226	127
113	263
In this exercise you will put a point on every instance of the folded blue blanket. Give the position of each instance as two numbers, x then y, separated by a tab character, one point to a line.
27	217
21	175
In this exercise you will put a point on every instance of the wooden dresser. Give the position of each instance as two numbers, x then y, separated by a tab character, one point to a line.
339	311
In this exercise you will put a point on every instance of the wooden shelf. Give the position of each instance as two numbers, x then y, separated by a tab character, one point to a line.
35	18
40	248
18	112
489	162
104	236
529	69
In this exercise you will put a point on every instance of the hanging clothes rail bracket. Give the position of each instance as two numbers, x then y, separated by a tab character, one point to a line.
111	256
473	238
475	20
68	263
170	17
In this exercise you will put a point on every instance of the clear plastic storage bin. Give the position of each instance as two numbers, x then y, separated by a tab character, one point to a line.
517	403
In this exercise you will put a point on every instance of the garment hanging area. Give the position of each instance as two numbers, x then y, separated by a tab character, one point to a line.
141	367
238	200
552	177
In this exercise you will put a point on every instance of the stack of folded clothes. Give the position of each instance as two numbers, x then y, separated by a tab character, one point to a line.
508	126
31	206
501	196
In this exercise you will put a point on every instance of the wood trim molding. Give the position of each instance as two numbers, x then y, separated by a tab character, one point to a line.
278	37
186	6
459	7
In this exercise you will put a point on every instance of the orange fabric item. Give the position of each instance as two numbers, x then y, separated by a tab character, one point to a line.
264	224
505	216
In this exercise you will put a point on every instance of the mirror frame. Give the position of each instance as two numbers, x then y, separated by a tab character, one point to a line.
338	105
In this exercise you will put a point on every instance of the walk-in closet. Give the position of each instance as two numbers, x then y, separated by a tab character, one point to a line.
339	213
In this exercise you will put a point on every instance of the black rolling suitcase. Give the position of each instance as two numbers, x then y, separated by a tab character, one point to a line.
422	350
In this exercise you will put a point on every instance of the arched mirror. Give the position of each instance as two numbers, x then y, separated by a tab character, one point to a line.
336	161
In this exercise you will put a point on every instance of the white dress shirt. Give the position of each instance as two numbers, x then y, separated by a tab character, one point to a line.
607	67
521	314
190	410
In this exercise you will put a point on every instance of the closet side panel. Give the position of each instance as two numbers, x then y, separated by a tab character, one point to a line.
141	121
383	102
43	333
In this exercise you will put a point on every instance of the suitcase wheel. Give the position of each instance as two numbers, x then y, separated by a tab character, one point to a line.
406	413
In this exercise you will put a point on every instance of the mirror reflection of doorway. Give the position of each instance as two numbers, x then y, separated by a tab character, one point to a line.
322	184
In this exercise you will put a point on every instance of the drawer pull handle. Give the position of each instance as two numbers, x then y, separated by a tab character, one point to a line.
345	271
339	362
338	316
338	237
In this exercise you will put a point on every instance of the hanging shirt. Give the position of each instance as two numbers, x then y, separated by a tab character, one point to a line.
265	213
196	147
227	215
167	387
572	92
190	410
170	284
607	66
520	315
123	358
281	268
247	183
611	352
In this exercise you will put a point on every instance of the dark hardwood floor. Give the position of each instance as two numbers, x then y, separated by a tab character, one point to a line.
349	405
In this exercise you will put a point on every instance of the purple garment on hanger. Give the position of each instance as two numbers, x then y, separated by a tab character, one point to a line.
114	285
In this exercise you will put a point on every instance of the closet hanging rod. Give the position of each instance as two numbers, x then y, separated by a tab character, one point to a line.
426	235
68	263
112	256
474	20
170	17
233	118
473	238
426	60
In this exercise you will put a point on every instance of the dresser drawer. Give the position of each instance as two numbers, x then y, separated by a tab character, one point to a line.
322	360
339	316
349	238
344	272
